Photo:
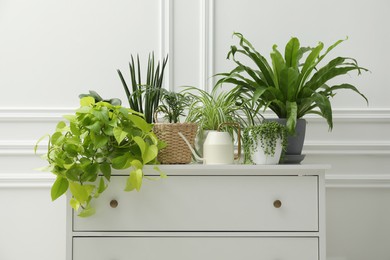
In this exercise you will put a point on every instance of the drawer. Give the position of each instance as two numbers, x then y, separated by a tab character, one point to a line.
195	248
208	203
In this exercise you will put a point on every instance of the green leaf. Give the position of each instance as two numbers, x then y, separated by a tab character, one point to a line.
101	115
278	64
119	134
288	83
260	61
162	174
91	171
70	118
325	107
291	53
80	192
334	68
71	149
134	181
100	141
87	212
150	153
60	126
311	59
292	109
74	173
105	168
140	123
141	144
346	86
83	110
87	101
74	129
136	164
40	140
122	161
330	49
102	186
59	187
57	138
95	127
74	204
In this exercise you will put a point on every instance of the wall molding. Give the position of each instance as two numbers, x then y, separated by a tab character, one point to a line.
20	148
49	114
26	180
45	180
206	63
347	148
166	40
349	114
357	181
40	114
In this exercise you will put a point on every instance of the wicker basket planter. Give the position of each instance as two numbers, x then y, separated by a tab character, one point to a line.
177	151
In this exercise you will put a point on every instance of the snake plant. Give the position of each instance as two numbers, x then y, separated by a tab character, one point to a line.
144	97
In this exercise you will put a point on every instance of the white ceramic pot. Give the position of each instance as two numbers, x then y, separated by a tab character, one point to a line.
259	157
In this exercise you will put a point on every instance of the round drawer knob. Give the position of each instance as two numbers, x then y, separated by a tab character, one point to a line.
277	204
113	204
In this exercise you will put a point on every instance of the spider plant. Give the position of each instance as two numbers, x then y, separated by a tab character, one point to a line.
144	97
292	86
209	110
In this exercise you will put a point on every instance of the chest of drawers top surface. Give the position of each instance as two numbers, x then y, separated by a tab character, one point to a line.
234	169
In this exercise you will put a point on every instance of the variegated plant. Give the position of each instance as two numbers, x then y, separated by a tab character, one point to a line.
294	84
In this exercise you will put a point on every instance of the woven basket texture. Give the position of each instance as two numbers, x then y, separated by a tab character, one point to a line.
177	151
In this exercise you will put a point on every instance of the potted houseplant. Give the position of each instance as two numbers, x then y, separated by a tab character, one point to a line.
210	110
144	97
99	137
172	106
294	85
264	143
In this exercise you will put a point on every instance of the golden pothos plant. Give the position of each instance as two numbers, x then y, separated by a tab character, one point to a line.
99	137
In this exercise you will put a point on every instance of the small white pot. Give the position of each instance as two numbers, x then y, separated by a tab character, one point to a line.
259	157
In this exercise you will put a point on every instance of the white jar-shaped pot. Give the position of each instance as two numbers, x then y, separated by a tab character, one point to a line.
259	156
263	144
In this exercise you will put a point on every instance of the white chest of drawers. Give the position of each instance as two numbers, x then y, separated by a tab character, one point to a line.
207	212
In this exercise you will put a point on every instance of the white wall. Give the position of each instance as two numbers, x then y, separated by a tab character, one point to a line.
51	51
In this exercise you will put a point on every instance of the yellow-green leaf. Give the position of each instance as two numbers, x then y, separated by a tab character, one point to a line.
162	174
61	125
80	192
150	153
136	164
59	187
74	204
122	162
87	212
140	123
134	181
87	101
105	168
119	134
141	144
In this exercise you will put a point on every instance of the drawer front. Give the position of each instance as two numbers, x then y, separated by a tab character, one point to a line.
195	248
208	203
